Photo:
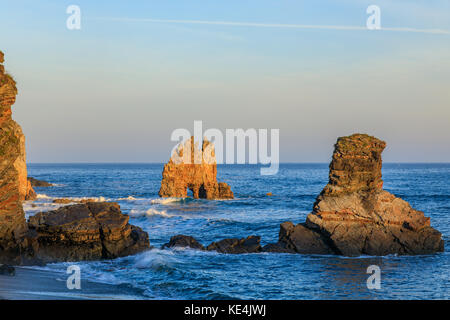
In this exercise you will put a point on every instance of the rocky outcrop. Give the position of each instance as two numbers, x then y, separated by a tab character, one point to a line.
193	169
250	244
237	246
81	232
353	215
13	172
182	241
299	239
91	231
39	183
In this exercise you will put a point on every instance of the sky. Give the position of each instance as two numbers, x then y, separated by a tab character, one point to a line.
116	89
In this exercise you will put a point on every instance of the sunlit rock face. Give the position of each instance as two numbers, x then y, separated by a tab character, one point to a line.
195	169
353	215
12	188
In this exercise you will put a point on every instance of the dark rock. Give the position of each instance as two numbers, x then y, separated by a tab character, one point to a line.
235	246
184	242
39	183
276	248
6	270
300	239
89	231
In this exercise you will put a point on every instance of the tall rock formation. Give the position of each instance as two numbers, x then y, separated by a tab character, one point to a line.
353	215
81	232
194	169
13	173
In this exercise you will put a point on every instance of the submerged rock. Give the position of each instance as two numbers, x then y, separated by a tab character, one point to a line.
183	241
193	169
353	215
250	244
89	231
39	183
67	201
6	270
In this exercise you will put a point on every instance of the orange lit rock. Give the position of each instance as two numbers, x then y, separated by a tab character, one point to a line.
13	184
193	169
353	215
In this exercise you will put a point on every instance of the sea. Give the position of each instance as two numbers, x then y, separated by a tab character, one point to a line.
173	274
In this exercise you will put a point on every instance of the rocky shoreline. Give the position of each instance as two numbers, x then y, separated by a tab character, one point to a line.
352	216
87	231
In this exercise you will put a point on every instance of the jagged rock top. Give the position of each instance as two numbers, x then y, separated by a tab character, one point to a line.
8	89
193	168
356	165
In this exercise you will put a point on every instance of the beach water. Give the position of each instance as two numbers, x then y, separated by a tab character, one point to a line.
190	274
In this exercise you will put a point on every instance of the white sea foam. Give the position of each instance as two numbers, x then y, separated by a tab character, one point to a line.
43	196
167	200
129	198
149	213
155	259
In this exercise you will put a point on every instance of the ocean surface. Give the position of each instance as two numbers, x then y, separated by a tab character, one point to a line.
190	274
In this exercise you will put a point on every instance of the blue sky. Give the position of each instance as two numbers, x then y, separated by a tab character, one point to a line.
117	88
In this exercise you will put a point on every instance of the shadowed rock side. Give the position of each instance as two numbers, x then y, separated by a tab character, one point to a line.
193	169
353	215
91	231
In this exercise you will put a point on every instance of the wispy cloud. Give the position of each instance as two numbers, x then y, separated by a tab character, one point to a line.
272	25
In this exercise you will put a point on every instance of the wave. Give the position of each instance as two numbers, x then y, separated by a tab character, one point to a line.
149	213
43	196
169	200
95	199
129	198
156	259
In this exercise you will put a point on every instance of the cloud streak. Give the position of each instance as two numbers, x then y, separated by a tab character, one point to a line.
273	25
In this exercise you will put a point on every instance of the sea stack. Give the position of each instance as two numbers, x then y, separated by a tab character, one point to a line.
354	216
14	186
80	232
193	169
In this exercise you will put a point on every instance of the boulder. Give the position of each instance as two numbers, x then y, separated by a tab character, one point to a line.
353	215
183	242
193	169
250	244
90	231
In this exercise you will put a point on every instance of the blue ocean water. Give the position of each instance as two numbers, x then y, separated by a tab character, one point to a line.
190	274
